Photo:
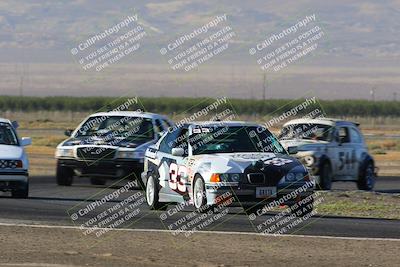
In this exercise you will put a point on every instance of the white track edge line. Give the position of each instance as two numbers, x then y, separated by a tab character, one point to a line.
203	232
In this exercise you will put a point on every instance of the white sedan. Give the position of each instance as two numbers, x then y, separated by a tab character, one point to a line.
14	164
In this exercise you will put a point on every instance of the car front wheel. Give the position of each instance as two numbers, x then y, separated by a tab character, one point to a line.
64	176
199	194
366	181
325	177
22	190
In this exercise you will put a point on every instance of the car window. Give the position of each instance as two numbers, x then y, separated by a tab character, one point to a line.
355	136
7	135
344	135
218	139
166	124
171	140
309	131
159	126
182	141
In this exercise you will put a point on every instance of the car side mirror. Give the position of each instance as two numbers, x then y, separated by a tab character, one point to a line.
68	132
178	152
26	141
292	150
15	124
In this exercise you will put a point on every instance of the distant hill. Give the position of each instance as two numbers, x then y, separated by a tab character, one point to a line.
359	52
355	28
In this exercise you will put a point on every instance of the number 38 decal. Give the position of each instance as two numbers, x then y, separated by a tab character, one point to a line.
177	177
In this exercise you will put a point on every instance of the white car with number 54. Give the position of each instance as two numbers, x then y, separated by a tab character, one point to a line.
201	162
332	150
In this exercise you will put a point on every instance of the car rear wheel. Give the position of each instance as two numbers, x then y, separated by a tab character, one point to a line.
97	181
325	177
21	190
64	176
366	181
152	197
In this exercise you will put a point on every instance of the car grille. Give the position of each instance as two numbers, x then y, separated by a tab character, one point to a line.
95	153
8	164
256	178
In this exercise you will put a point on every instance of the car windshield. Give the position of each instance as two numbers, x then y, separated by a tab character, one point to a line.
7	135
129	128
308	131
220	139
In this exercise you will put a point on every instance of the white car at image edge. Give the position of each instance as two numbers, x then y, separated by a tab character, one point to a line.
14	164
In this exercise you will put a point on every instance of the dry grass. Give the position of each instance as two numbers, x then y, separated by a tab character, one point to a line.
360	204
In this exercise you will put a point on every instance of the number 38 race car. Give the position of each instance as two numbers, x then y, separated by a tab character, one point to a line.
200	162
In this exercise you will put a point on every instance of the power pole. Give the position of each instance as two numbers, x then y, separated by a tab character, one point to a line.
372	93
264	85
21	86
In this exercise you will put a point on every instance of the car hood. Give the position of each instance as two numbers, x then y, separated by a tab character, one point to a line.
115	142
303	144
279	164
11	152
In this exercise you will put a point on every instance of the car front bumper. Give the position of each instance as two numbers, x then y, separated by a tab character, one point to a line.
104	168
12	180
246	195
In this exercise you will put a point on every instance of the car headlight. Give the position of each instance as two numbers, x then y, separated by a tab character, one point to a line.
130	154
225	177
65	153
309	161
294	177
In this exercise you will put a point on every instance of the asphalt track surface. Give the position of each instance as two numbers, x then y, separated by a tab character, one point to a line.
50	204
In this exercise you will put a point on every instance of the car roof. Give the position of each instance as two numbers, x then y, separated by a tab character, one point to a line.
5	120
323	121
219	123
148	115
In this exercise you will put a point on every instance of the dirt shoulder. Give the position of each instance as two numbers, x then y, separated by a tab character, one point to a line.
27	246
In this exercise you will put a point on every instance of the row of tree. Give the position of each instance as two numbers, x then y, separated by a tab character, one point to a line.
189	105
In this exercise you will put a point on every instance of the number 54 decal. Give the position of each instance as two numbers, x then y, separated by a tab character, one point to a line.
177	177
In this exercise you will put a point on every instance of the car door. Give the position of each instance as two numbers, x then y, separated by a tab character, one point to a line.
358	147
345	154
172	169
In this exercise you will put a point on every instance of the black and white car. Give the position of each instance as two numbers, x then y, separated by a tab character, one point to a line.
108	145
14	163
202	161
332	150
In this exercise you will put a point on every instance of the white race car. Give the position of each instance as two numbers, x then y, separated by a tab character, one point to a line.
14	164
203	161
108	145
332	150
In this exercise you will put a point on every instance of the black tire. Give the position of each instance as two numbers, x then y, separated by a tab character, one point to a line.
137	176
64	175
152	197
366	180
325	177
199	195
97	181
22	190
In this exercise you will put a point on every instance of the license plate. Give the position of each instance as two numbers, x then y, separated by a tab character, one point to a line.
265	192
